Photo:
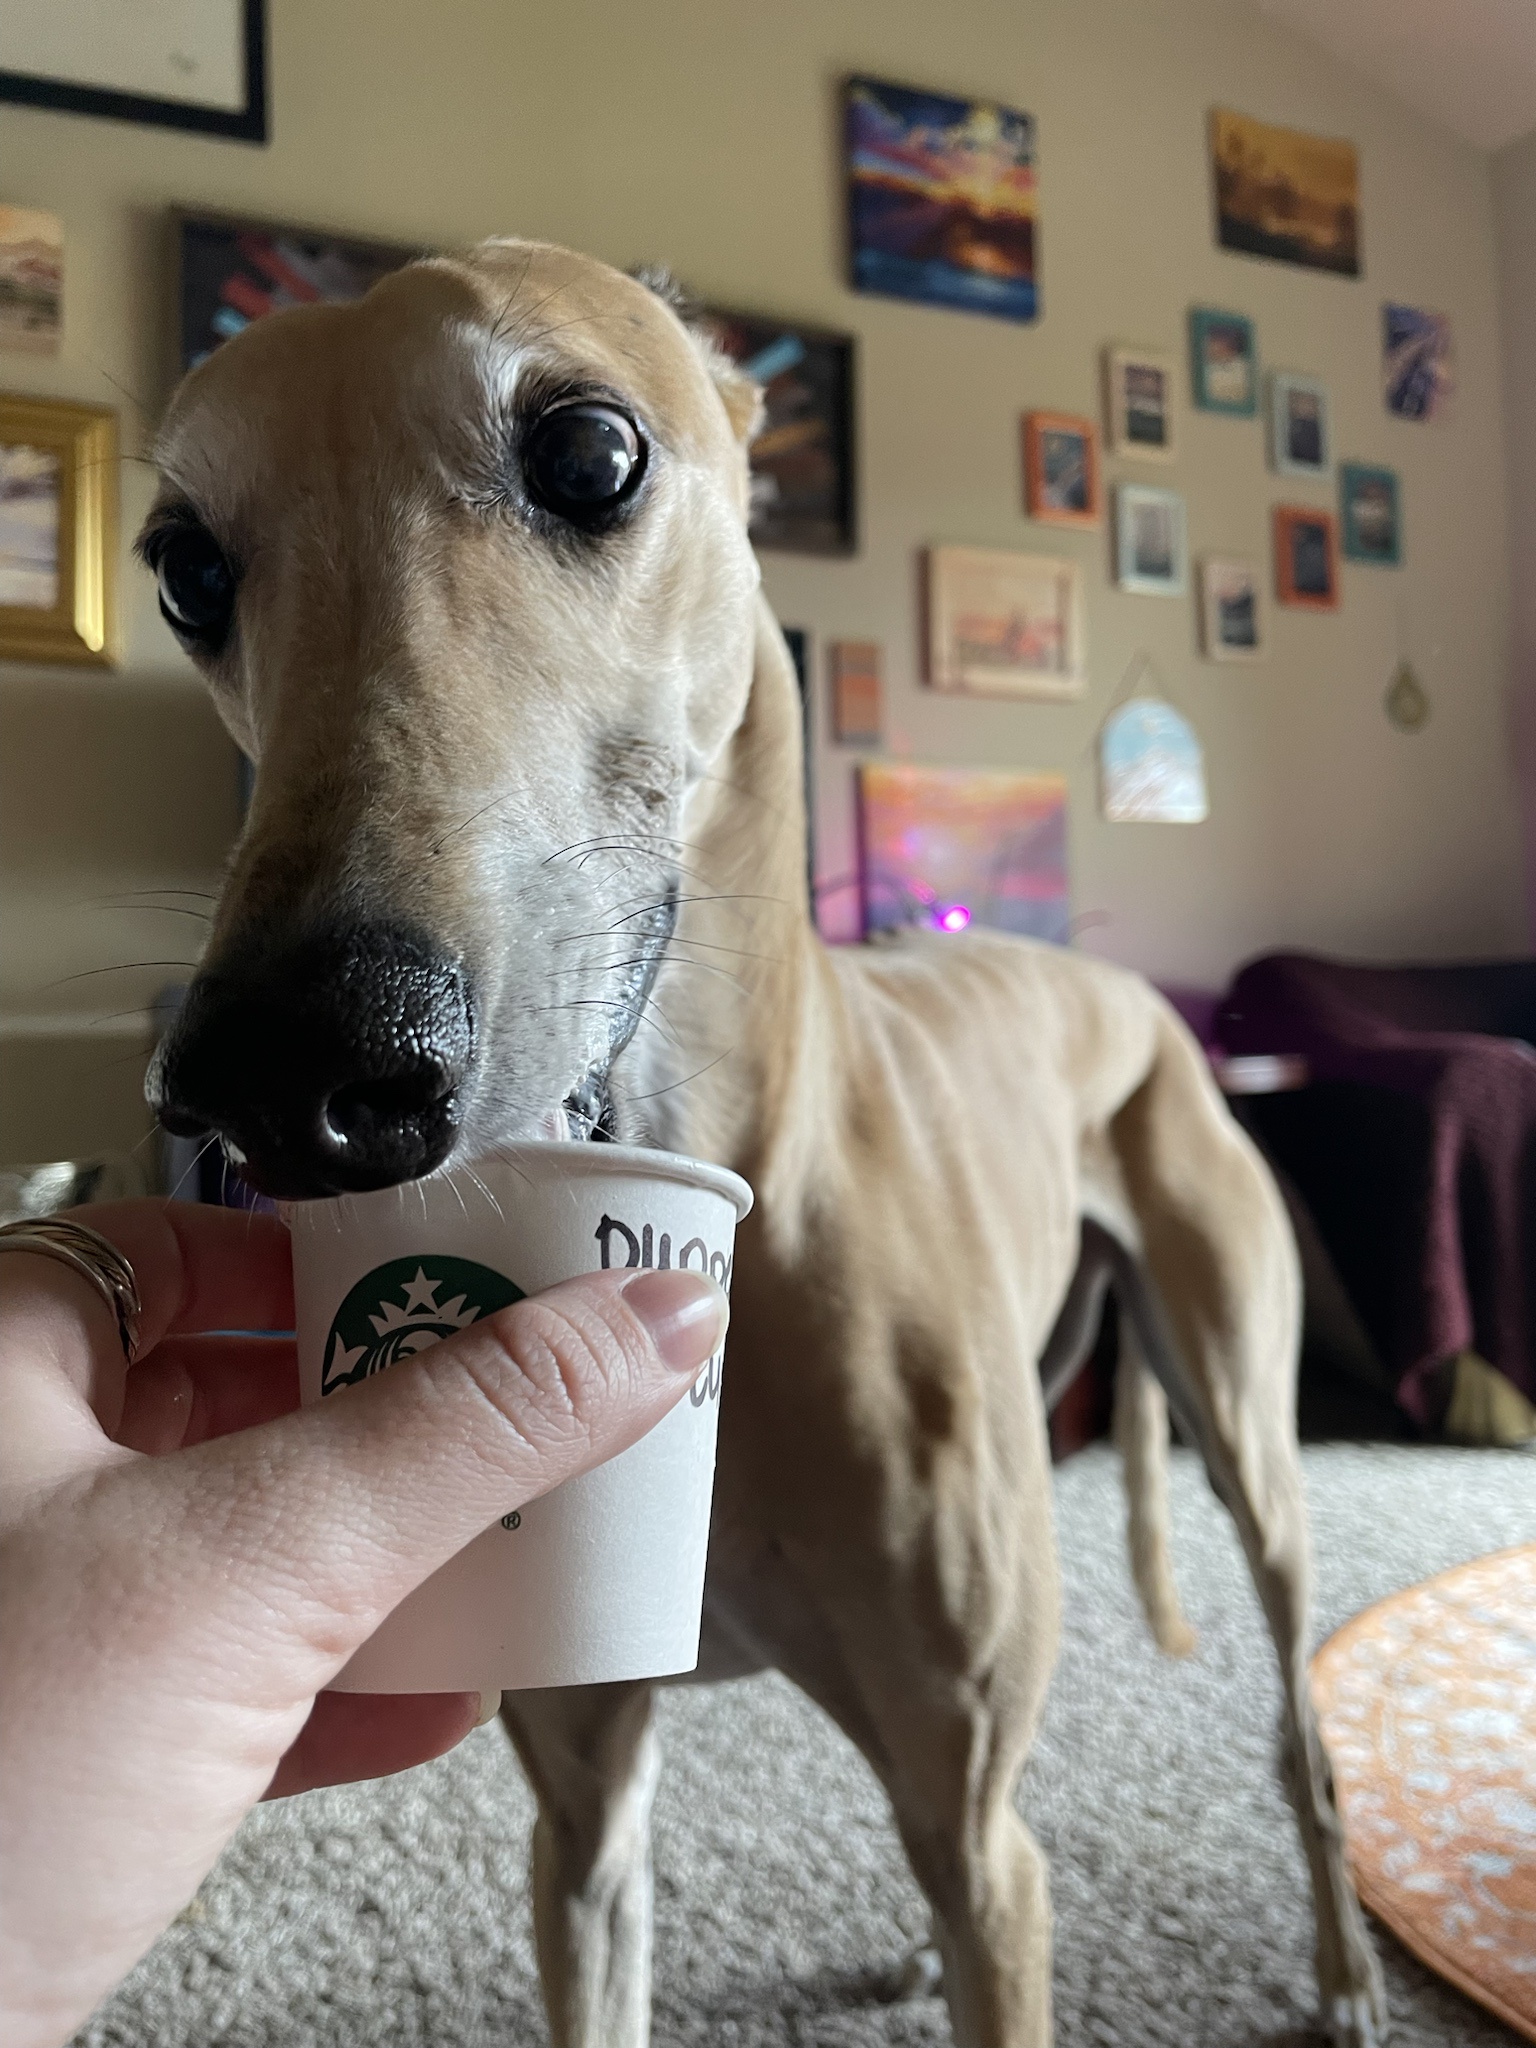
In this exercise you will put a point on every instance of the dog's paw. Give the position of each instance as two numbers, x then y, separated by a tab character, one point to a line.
1357	2019
920	1976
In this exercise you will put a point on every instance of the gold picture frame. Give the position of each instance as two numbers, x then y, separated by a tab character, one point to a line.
58	532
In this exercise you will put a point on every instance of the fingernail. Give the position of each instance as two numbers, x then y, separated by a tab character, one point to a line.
490	1707
685	1314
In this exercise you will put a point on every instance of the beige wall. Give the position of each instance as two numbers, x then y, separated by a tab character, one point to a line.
1514	199
705	135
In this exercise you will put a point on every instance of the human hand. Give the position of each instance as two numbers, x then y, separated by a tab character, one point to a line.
187	1558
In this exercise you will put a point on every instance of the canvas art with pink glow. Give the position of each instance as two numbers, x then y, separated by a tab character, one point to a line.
944	848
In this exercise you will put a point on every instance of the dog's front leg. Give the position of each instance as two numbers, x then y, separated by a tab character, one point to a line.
591	1755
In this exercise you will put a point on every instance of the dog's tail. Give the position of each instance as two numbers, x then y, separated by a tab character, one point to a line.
1141	1415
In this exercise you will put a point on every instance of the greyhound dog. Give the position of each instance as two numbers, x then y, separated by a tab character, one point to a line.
466	567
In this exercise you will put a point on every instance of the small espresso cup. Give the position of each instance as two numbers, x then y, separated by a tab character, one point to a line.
602	1578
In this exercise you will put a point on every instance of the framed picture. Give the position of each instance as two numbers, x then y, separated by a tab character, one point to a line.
58	532
1151	554
201	66
803	490
1298	425
1286	194
232	271
1306	558
1417	367
1231	610
941	199
1139	403
31	280
856	693
1223	362
1061	469
1004	625
1370	507
946	848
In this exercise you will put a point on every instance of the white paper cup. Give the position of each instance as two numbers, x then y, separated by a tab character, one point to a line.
603	1578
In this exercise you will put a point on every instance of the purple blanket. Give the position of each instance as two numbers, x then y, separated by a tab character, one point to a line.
1415	1146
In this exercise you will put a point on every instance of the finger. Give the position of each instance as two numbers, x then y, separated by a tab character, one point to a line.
64	1374
346	1506
353	1735
200	1267
191	1389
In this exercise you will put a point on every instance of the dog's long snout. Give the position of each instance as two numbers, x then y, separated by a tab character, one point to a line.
335	1065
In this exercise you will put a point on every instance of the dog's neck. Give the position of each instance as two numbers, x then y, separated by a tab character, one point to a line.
744	996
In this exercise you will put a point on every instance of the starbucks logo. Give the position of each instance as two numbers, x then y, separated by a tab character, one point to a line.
405	1307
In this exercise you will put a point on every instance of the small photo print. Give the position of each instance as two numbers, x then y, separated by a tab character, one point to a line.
1061	469
1418	368
1150	544
1224	362
1370	501
1232	626
1306	558
1298	425
31	280
1140	404
30	490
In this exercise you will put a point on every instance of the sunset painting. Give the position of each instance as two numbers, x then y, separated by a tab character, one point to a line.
941	199
945	848
1285	194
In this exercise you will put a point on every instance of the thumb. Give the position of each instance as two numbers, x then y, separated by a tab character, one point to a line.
348	1505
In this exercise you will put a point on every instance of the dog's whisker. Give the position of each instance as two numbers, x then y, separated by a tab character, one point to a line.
120	967
673	1086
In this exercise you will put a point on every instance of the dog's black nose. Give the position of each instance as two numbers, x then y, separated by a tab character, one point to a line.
336	1065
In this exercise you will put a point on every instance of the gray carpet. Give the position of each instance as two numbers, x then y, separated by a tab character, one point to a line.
398	1913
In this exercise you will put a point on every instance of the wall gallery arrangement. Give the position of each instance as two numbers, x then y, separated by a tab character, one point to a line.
942	211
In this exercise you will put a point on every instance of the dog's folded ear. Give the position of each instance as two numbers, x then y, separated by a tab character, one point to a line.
741	397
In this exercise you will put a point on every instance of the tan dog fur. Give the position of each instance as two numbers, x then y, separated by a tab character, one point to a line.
512	749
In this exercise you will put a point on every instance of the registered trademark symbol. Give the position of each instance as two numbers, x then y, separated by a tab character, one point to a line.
512	1521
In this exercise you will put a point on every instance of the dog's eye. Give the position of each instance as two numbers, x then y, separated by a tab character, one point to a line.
197	584
582	460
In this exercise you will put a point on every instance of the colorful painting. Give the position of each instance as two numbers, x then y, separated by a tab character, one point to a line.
1151	768
1298	425
1004	625
941	199
1151	554
1285	194
945	848
1061	469
803	495
1306	558
1417	365
31	280
1231	614
1224	362
1139	395
1371	507
234	272
856	694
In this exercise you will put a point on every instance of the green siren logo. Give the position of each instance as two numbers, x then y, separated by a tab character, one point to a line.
405	1307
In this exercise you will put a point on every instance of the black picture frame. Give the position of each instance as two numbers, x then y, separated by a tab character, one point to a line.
804	460
244	124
